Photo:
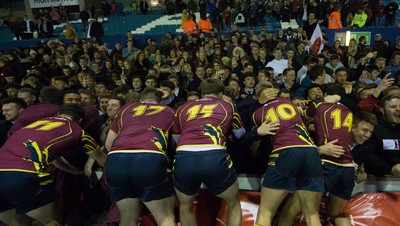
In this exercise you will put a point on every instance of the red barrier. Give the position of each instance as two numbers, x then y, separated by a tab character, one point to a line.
371	209
375	209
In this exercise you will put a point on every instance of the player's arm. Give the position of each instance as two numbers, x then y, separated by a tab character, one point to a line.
331	149
311	110
99	156
237	124
259	129
111	136
93	149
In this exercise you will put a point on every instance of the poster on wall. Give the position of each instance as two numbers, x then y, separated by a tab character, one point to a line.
49	3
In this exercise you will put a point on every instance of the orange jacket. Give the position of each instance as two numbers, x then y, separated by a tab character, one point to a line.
204	26
334	21
190	27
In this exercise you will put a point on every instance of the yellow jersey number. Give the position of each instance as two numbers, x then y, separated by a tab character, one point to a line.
282	111
44	125
336	115
147	110
205	111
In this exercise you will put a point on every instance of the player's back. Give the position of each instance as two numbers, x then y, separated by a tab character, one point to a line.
37	144
142	126
206	122
334	121
291	132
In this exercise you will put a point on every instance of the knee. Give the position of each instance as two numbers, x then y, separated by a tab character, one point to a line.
167	220
337	215
291	210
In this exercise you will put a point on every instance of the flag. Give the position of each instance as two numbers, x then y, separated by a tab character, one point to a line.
316	41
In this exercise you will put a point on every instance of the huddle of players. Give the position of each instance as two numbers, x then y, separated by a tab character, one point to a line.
139	171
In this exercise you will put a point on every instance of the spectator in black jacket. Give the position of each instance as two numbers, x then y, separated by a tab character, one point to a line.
143	6
383	156
84	16
96	29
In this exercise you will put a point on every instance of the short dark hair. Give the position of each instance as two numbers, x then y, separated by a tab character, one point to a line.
387	98
248	74
120	90
342	69
228	91
168	84
363	116
61	78
192	93
150	77
284	73
18	101
284	90
27	90
120	99
76	111
212	86
315	72
312	60
151	94
51	95
313	85
335	89
68	91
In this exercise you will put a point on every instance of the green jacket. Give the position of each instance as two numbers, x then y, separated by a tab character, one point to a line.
359	20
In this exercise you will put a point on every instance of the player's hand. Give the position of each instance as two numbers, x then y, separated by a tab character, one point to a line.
267	95
332	98
301	103
268	128
361	175
89	166
331	149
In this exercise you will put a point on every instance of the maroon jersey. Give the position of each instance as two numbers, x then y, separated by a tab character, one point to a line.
34	147
142	127
206	123
333	121
291	132
34	113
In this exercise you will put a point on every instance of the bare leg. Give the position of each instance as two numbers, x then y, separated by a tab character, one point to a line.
232	198
290	211
11	218
46	214
310	202
270	201
186	213
335	211
163	211
130	211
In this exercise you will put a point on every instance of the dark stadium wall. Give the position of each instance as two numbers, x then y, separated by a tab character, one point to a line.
387	34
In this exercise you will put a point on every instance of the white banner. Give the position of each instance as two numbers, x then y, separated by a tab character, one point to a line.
49	3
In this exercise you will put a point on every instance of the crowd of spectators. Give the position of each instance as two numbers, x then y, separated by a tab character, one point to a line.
240	59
